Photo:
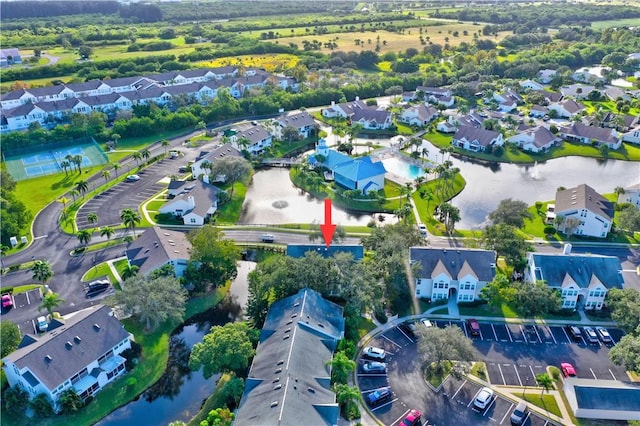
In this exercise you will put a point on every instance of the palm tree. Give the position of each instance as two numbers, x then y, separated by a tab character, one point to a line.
129	271
137	156
130	218
74	192
84	236
145	154
92	218
545	381
341	367
65	165
50	301
42	271
69	401
77	160
82	186
346	396
618	190
107	231
106	174
116	166
165	144
69	159
116	137
3	252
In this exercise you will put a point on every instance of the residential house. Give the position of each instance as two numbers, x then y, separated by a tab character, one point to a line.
369	117
457	273
289	382
536	139
630	195
584	212
200	169
508	97
437	95
567	109
633	135
546	76
418	115
10	56
590	74
531	85
476	139
447	126
157	247
578	132
81	351
549	96
195	205
620	122
614	93
583	280
577	91
634	57
352	173
303	122
253	138
538	111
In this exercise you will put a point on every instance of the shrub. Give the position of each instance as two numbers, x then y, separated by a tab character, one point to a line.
549	230
380	315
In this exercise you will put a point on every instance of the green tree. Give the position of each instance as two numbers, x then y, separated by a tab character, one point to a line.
130	219
137	156
84	237
347	396
225	348
629	218
341	367
115	137
437	345
107	231
450	215
42	405
545	381
116	166
9	338
213	257
106	174
145	153
129	271
50	301
69	401
232	391
42	271
510	212
219	417
625	307
82	186
627	351
498	292
506	241
92	218
232	168
85	51
165	144
15	399
151	300
536	299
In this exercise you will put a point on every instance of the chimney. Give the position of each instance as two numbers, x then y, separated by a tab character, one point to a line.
192	202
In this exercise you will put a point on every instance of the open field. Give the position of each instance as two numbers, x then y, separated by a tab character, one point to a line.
270	62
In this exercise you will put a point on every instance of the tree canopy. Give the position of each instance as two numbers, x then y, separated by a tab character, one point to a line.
213	258
151	300
505	240
536	299
9	338
625	307
225	348
437	344
627	351
232	168
499	291
510	212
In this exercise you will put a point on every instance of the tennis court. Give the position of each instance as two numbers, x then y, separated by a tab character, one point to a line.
49	159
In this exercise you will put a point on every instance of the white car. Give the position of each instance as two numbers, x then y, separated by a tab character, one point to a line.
133	178
373	352
423	229
483	398
42	324
426	323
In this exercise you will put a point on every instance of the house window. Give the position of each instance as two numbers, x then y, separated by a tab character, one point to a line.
193	220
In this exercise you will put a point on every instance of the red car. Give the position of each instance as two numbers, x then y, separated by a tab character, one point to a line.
568	370
6	301
412	419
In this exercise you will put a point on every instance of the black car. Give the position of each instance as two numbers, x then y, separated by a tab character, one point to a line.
408	328
574	332
379	396
95	289
590	335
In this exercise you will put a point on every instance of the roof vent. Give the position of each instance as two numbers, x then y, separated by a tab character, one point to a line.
286	337
320	325
274	404
278	386
278	370
77	339
276	380
311	390
287	330
289	322
48	358
294	315
295	305
68	345
96	327
280	362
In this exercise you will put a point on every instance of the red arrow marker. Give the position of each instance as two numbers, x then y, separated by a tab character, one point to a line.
327	228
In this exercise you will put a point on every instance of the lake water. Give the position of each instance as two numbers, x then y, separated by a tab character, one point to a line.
179	393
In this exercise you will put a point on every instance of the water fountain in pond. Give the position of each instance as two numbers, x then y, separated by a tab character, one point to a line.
535	171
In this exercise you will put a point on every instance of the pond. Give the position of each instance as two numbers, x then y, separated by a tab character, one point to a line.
179	393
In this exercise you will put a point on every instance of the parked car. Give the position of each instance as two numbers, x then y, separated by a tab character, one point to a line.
133	178
483	398
408	328
268	238
414	418
42	324
98	284
474	327
567	370
374	367
604	335
97	289
519	414
6	301
379	396
574	332
427	323
590	334
423	229
373	353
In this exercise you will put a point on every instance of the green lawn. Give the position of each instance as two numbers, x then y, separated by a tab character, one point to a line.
486	311
229	212
427	204
545	401
365	326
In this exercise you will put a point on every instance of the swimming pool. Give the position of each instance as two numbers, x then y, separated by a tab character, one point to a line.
402	168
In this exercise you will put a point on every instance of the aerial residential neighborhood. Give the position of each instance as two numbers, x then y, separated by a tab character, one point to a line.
275	213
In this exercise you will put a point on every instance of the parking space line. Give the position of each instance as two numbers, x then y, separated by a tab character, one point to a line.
460	388
552	336
504	382
532	373
386	338
566	335
537	334
27	294
507	413
494	332
612	375
385	404
594	374
405	334
486	410
515	368
524	335
480	331
508	333
401	417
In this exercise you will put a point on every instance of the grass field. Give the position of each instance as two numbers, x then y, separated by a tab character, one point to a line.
270	62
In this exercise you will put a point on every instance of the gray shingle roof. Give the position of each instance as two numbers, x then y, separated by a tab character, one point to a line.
481	262
470	133
157	246
65	362
581	268
298	121
584	197
289	381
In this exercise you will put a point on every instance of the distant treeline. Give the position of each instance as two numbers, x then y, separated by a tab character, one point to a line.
135	12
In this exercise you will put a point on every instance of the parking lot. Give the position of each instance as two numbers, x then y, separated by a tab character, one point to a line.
514	354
